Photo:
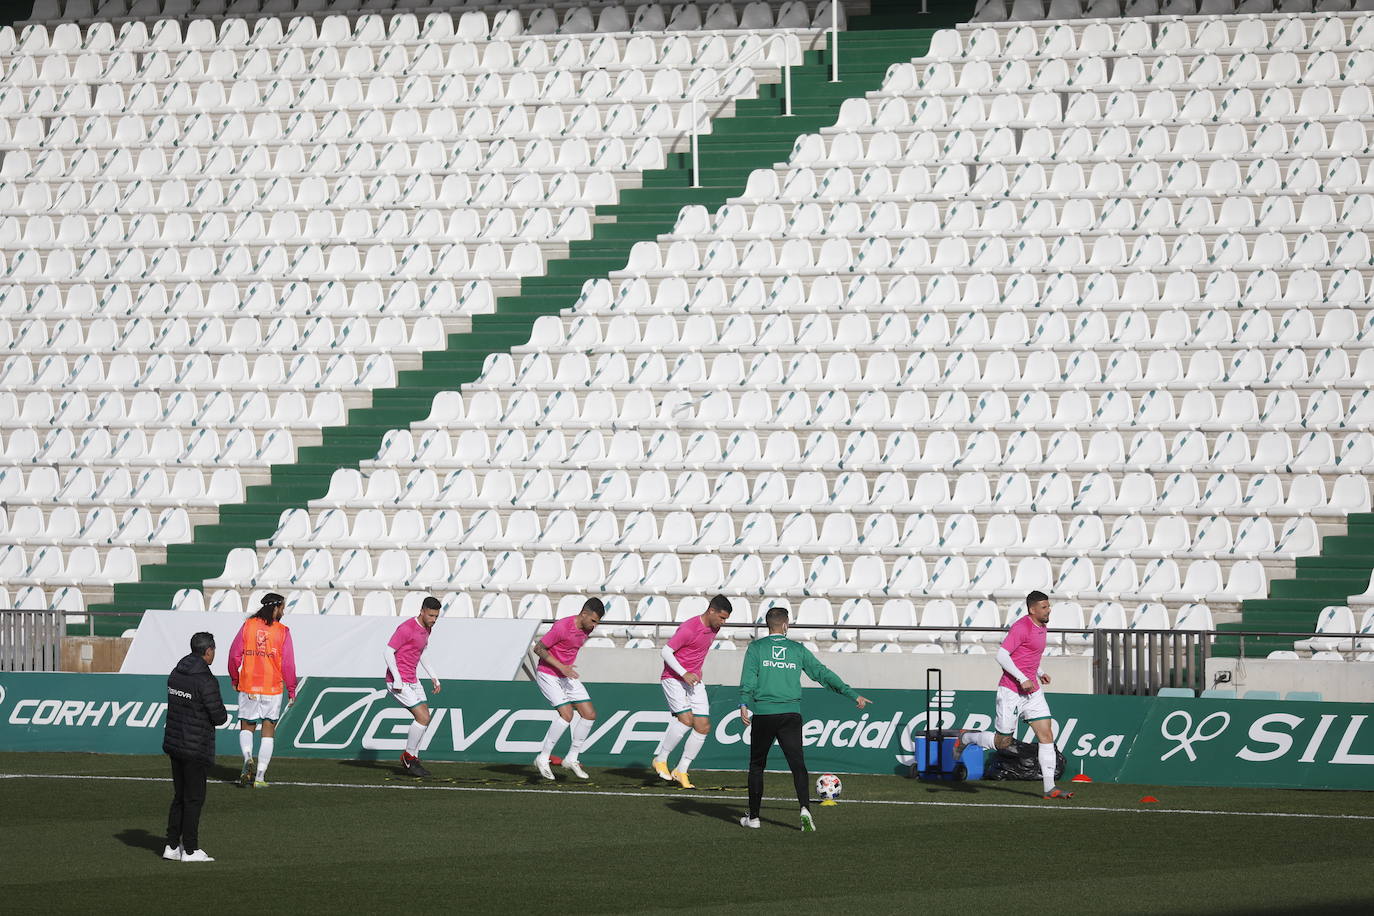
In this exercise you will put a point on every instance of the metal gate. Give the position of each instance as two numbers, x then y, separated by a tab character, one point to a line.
1139	662
30	640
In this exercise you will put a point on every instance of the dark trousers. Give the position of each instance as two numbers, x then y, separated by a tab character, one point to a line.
188	786
786	729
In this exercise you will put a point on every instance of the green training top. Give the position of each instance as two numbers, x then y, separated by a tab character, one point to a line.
773	667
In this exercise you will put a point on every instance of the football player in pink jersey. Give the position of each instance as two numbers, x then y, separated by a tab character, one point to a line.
1019	695
558	681
685	691
402	654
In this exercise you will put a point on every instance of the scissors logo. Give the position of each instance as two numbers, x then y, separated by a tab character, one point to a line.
1186	735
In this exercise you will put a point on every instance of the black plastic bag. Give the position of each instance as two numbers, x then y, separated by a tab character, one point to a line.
1020	761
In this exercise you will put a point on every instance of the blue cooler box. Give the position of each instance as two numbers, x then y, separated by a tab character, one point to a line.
931	754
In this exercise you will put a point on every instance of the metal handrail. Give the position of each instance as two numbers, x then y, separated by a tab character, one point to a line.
834	41
735	67
871	627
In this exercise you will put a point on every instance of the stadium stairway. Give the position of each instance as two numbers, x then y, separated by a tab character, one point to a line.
1341	569
756	136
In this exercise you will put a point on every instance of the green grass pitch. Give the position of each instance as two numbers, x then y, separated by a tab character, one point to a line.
348	836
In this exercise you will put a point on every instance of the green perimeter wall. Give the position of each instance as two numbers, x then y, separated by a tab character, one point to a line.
1147	740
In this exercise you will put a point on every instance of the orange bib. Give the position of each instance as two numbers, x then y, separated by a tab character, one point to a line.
262	648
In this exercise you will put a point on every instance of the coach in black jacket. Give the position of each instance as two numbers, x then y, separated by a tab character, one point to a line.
194	708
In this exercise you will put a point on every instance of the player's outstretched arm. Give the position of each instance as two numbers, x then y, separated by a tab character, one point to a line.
828	679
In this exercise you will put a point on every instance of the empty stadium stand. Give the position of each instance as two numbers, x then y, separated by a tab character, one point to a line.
362	303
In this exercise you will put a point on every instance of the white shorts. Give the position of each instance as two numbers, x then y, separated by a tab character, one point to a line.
560	691
1012	706
259	707
409	696
682	698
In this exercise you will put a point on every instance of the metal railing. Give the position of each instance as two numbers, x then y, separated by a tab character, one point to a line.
1345	642
1130	662
722	81
30	640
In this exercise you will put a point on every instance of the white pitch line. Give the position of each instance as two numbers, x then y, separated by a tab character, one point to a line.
421	787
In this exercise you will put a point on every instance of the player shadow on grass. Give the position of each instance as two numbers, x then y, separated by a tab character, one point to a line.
390	766
642	774
969	787
935	786
218	772
139	838
524	771
720	811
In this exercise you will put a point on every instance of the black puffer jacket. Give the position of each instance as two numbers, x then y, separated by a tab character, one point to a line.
194	708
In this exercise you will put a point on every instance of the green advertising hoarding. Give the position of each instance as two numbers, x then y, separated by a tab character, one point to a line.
505	722
1122	739
104	713
1254	743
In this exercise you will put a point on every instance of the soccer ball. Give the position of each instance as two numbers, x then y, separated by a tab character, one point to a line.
829	787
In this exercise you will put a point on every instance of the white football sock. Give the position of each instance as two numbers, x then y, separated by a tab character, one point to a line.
246	744
556	729
690	750
982	739
265	756
413	736
1047	761
581	728
670	739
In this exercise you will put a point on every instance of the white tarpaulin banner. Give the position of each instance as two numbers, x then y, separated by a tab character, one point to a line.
460	647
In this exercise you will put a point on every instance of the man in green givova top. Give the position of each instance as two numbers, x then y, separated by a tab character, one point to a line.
770	705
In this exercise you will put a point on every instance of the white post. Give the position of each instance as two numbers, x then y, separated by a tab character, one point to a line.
787	90
834	41
696	123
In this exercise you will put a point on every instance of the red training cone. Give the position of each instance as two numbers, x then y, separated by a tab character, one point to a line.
556	760
1149	800
1082	777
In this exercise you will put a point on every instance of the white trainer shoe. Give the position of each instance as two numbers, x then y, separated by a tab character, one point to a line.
808	825
751	822
172	853
575	767
197	856
542	763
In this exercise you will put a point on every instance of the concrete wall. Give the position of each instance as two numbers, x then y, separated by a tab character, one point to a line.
900	671
1347	682
94	653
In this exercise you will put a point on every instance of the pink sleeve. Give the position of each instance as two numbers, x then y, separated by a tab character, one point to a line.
236	658
398	638
555	634
288	665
